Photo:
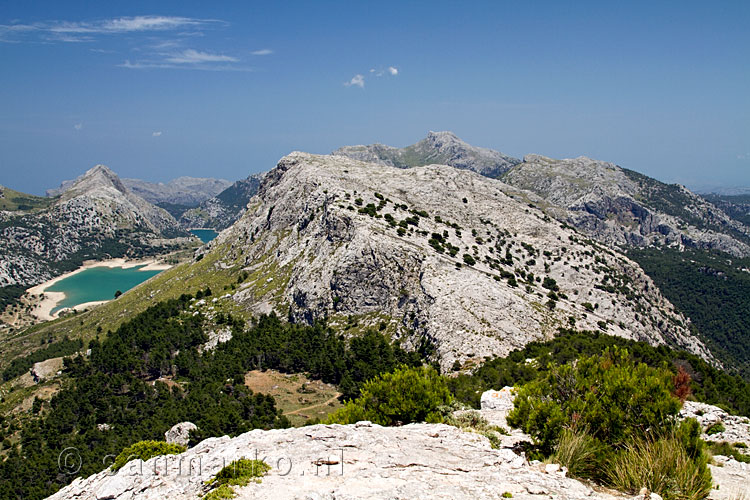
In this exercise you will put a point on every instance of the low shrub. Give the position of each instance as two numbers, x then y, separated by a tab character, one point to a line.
716	428
612	420
144	450
728	450
220	493
404	396
241	472
610	396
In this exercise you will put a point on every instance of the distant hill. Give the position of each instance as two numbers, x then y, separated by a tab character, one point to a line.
188	191
94	216
224	209
17	201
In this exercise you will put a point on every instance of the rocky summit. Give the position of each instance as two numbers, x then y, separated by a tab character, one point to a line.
621	207
433	255
443	148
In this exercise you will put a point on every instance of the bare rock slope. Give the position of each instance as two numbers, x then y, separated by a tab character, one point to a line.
622	207
432	253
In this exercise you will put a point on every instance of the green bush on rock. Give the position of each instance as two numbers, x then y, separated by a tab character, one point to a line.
609	396
407	395
238	473
613	420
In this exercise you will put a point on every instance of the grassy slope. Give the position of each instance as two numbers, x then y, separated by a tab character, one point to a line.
15	200
184	278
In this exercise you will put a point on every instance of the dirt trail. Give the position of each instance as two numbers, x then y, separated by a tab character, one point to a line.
299	410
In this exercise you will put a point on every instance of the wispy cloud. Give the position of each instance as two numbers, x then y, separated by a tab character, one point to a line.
192	56
356	81
199	67
163	40
86	31
390	70
156	134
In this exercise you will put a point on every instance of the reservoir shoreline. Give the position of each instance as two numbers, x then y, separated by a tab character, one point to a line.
43	309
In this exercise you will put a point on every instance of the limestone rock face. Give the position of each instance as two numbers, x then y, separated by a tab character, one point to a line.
616	206
44	370
180	433
431	253
360	461
736	428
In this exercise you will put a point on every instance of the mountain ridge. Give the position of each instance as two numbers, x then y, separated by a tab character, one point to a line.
310	255
612	204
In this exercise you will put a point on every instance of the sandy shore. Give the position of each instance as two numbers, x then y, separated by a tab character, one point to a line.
43	310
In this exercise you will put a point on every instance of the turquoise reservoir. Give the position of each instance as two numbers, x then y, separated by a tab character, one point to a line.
98	283
205	235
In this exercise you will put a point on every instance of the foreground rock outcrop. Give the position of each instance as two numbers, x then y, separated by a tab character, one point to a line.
361	461
366	461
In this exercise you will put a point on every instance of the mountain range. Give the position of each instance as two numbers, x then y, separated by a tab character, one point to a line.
453	254
338	268
612	204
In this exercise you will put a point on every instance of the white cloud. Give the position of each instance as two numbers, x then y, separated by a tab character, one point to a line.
156	134
191	56
262	52
78	126
393	71
150	23
357	80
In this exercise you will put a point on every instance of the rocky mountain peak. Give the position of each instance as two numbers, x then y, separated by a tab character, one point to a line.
444	148
443	137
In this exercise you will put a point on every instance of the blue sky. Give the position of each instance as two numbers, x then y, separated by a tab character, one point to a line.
156	90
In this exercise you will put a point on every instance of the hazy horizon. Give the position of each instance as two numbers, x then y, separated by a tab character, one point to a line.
224	91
